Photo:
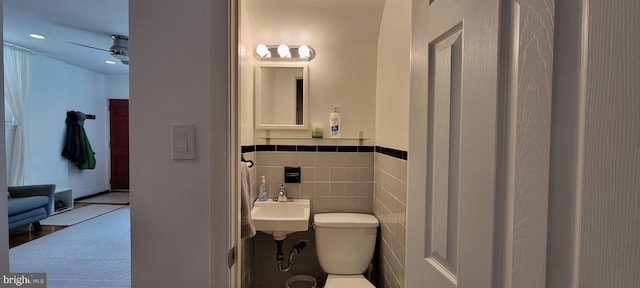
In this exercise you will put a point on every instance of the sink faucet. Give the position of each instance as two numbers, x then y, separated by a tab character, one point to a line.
282	195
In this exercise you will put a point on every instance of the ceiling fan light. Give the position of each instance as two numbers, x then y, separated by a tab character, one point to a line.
37	36
120	47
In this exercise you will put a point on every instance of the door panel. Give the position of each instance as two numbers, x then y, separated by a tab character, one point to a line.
454	145
480	143
444	148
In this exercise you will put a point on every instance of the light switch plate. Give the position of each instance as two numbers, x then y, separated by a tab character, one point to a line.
183	141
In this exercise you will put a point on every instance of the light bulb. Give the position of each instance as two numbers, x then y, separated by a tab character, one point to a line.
283	51
263	51
37	36
304	51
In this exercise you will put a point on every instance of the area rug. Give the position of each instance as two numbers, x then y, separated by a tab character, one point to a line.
95	253
108	198
78	215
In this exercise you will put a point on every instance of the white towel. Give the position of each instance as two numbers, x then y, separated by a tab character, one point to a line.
247	229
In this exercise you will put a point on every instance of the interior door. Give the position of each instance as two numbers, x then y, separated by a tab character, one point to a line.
453	124
119	143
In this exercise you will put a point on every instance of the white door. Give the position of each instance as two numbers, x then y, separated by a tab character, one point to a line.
479	143
453	144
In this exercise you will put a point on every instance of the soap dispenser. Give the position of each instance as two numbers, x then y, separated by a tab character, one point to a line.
264	190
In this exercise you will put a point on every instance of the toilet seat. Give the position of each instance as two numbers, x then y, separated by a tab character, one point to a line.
347	281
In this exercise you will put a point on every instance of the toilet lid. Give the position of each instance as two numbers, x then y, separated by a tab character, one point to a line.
347	281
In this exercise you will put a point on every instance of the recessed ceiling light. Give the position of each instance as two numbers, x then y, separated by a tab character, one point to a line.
37	36
110	62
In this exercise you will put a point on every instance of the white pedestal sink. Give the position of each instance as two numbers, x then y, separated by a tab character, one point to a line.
281	218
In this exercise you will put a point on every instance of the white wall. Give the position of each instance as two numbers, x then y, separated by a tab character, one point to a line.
175	198
56	88
343	73
246	76
117	86
393	75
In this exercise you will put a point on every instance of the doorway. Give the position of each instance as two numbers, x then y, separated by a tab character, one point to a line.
119	144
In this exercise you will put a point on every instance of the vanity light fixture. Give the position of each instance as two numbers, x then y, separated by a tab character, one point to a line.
285	52
37	36
263	51
304	51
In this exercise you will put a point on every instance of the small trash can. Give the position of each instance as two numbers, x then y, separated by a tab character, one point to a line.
301	281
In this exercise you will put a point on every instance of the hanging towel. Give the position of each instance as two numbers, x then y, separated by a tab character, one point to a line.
247	229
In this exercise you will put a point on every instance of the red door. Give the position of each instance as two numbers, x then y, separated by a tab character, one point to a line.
119	133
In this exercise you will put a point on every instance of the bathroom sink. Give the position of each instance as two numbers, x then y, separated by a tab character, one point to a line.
281	218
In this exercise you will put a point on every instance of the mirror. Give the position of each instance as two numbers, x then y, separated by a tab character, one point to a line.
281	96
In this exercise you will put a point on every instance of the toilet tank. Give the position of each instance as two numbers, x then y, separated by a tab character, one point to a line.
345	242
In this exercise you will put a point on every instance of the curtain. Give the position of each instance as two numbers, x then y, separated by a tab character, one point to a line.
16	93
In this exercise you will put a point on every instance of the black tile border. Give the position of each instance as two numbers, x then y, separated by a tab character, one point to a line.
307	148
327	148
347	148
288	148
366	149
400	154
265	147
248	148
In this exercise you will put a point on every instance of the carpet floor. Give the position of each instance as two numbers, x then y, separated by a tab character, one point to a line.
93	254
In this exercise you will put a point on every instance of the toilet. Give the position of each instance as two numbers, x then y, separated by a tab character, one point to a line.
345	243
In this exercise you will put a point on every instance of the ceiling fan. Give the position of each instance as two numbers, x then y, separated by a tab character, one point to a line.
119	49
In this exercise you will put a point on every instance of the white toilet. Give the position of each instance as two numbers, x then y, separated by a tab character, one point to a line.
345	243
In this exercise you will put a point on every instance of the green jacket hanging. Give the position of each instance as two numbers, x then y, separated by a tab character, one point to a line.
77	148
90	163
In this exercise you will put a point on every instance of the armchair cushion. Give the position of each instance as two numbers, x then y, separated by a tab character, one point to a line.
24	204
47	190
30	204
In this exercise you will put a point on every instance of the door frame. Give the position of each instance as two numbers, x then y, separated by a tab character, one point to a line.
225	230
4	242
235	271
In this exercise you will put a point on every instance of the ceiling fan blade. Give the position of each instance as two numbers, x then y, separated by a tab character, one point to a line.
87	46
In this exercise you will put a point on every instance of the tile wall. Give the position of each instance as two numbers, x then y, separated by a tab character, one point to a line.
333	181
390	207
336	179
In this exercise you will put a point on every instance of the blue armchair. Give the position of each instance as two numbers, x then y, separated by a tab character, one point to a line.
30	204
